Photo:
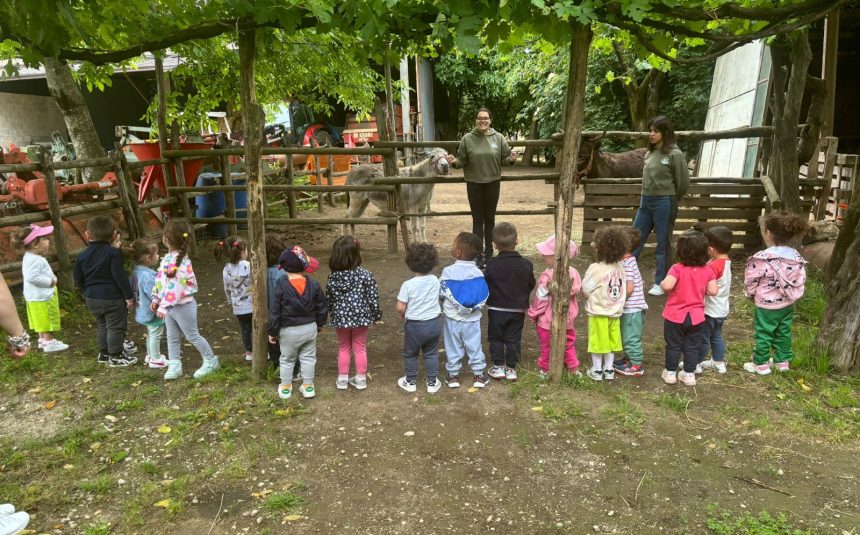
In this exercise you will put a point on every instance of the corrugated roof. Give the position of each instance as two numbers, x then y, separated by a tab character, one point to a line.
145	63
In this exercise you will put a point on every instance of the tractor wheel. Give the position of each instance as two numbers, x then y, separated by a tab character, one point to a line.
322	138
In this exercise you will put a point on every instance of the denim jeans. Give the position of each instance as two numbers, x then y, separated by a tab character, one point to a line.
712	340
657	213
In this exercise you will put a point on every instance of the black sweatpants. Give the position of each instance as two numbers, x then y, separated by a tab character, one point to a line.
483	200
682	338
505	332
111	317
246	324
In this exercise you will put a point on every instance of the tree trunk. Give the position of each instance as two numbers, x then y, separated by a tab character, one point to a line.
811	133
791	57
79	123
839	330
580	42
253	118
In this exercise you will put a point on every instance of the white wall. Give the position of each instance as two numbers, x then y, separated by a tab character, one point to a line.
26	118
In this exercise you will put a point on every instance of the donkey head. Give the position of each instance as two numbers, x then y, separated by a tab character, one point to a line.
587	147
439	161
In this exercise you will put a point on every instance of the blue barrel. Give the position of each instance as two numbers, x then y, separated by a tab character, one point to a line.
212	204
241	201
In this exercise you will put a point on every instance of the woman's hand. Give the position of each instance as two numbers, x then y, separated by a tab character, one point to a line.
513	159
273	339
451	159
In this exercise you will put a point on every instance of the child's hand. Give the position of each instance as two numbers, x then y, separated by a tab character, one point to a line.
130	303
273	339
153	306
53	282
161	314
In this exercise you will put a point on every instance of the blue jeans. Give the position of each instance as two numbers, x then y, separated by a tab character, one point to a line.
657	213
712	340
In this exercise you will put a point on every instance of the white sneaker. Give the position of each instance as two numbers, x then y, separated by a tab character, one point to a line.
6	509
308	391
609	375
759	369
53	346
409	386
510	374
656	290
668	377
14	523
359	383
249	357
434	387
129	347
209	365
688	379
594	375
718	365
496	372
174	370
157	363
342	383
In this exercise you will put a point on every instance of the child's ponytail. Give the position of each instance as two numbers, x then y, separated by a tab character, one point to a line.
176	233
785	226
230	249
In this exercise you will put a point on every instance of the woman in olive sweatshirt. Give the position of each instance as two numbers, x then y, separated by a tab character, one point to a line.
481	155
665	179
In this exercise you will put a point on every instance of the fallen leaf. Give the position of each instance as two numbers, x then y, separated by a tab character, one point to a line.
472	390
164	429
163	503
68	466
781	395
538	408
261	494
50	405
136	384
111	418
86	379
166	482
803	385
292	518
409	434
95	446
35	390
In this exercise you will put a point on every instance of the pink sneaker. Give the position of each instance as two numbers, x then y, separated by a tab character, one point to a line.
782	366
688	379
760	369
669	378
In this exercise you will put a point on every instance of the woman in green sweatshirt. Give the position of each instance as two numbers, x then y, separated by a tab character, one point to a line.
481	155
665	179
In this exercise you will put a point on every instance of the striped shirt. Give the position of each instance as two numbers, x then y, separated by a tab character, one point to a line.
636	301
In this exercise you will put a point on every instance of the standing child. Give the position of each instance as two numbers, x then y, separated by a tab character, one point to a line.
173	301
775	278
237	285
274	246
40	285
100	274
633	314
299	313
605	286
464	292
511	279
145	254
353	299
541	310
128	346
717	306
418	305
687	283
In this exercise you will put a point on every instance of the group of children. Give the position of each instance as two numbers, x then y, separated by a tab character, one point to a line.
163	299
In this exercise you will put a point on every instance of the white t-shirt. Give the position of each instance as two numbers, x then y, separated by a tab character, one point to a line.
717	306
421	295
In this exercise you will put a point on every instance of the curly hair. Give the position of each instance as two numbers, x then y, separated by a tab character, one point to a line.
785	226
634	237
345	254
421	257
720	238
177	236
230	249
692	248
469	245
611	243
274	246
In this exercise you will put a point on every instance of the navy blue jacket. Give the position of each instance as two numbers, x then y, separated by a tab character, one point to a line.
511	279
100	272
291	309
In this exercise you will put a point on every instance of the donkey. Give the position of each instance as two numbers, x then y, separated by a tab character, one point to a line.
415	198
594	163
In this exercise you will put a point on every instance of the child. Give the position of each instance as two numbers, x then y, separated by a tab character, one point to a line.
717	306
541	310
40	286
299	312
605	285
687	283
464	292
775	279
173	301
633	314
128	346
353	298
274	246
511	279
100	274
237	285
145	254
418	305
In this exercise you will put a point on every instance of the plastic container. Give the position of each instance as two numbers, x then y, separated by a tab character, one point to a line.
211	204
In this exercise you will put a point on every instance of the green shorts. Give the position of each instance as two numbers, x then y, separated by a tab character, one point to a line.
604	334
44	316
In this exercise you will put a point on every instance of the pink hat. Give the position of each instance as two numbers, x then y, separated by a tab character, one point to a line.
37	232
313	264
547	247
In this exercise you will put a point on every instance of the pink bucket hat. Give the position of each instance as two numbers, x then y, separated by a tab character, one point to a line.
37	232
547	247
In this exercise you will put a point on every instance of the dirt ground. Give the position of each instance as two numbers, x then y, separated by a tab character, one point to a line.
630	456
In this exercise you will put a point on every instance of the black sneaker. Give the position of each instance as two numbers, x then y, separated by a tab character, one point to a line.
481	261
129	347
481	380
103	358
121	361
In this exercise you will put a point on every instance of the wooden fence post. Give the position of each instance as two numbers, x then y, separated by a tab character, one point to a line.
132	193
131	212
65	279
827	174
329	178
291	180
391	229
580	42
318	173
227	180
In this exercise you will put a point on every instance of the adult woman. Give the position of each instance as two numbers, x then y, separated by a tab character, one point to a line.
19	338
481	154
665	179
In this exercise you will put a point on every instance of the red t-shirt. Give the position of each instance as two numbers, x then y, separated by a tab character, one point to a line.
718	265
688	296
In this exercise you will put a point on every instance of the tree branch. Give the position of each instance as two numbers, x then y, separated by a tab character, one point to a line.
733	10
640	36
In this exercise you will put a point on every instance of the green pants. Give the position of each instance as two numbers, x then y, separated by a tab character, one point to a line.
773	330
632	324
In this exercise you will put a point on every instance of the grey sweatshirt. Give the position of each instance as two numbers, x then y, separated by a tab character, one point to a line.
482	155
665	173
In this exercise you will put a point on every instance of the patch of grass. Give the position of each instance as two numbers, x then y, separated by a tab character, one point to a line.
727	523
840	396
561	409
283	502
674	401
627	414
150	468
99	485
100	528
127	405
